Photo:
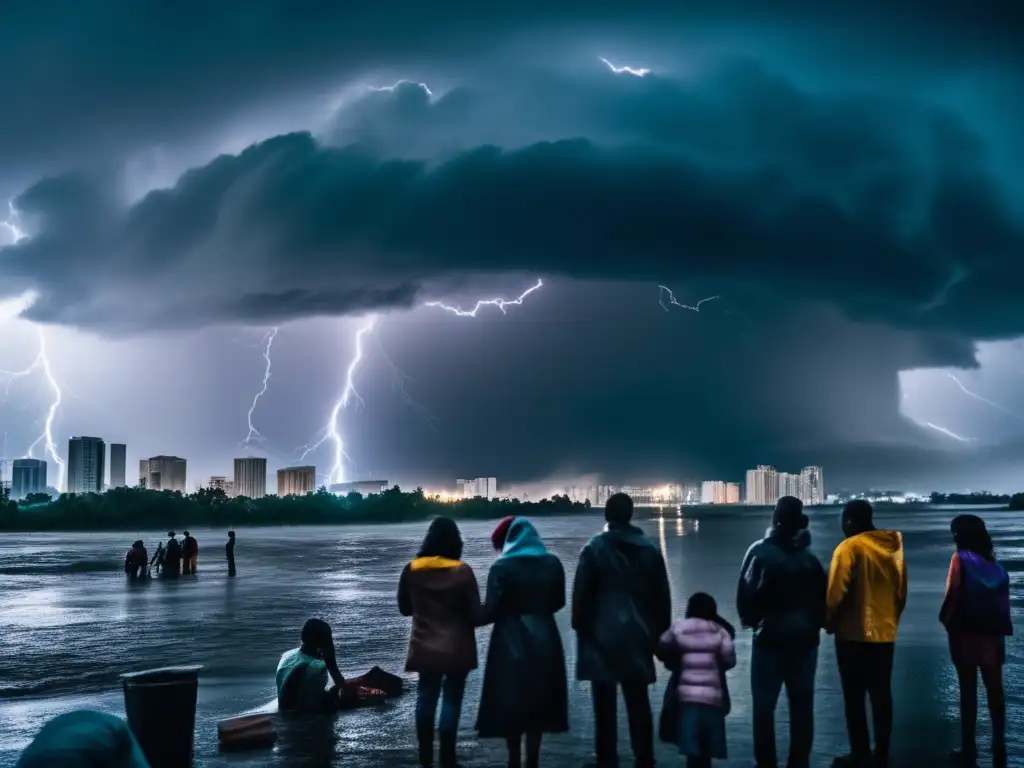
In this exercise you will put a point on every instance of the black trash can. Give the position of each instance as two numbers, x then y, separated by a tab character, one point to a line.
161	709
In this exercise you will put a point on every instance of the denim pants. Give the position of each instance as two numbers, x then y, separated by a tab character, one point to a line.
770	670
449	688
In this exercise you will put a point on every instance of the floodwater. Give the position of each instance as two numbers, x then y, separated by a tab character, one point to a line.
69	625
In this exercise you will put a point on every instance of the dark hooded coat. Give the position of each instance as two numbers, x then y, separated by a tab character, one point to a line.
781	592
621	605
525	688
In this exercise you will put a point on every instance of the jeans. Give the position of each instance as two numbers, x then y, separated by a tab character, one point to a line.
449	688
606	726
865	670
770	670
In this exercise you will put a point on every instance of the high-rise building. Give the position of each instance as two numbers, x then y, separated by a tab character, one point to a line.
86	464
487	487
221	483
715	492
118	452
163	473
29	477
732	493
789	485
296	481
762	486
812	486
251	477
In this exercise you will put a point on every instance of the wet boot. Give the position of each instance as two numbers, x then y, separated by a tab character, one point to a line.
426	744
448	750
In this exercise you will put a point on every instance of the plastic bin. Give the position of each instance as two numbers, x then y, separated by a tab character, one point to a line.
161	709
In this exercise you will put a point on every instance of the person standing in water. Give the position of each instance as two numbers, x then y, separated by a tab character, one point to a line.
525	690
229	553
867	592
976	614
441	595
172	557
189	554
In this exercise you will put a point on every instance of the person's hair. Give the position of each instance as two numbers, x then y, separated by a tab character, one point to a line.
186	533
170	534
139	543
789	514
316	633
442	540
969	533
702	606
618	508
859	514
231	534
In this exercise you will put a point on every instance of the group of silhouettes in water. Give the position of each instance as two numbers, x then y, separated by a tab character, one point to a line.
172	558
621	614
622	618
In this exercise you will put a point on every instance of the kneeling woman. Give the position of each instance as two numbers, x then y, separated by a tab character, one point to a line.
524	690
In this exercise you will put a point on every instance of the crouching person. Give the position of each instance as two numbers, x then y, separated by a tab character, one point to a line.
303	674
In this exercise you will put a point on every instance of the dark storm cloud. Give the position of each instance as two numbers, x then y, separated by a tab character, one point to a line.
887	210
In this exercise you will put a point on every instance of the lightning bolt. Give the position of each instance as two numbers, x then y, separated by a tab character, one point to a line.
388	88
45	439
985	400
499	303
950	433
663	290
268	339
634	71
349	395
41	363
398	380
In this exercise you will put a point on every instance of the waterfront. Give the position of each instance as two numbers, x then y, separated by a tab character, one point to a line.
71	625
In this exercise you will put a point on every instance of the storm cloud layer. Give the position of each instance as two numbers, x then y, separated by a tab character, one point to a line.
763	159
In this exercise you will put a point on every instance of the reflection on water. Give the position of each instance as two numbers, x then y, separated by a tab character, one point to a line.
71	624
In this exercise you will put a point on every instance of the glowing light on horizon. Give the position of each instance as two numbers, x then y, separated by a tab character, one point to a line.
663	290
950	433
984	400
634	71
268	339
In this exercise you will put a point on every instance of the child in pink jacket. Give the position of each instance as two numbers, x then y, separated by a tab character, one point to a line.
705	651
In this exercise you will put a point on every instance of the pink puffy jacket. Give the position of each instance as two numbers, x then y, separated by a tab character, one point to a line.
705	651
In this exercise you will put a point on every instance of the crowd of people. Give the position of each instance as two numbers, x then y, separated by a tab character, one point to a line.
172	558
621	613
622	617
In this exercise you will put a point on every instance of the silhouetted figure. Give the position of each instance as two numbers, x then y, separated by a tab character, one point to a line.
172	557
158	558
867	592
701	648
83	738
189	554
781	596
621	606
441	595
976	614
229	553
302	673
525	690
136	560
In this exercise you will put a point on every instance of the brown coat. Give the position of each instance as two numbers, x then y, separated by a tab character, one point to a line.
443	599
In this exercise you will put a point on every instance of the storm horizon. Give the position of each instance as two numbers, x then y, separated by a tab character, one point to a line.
705	242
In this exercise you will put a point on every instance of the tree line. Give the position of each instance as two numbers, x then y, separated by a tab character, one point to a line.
139	508
978	497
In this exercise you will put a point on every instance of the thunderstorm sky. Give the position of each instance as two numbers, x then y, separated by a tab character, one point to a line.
192	184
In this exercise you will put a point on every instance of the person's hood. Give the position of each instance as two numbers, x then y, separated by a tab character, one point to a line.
989	573
439	573
83	739
798	541
880	542
523	540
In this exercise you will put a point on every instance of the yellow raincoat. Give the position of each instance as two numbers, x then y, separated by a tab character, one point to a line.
867	587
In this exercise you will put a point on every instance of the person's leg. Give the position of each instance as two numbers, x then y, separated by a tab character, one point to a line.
427	694
533	749
641	723
849	657
515	755
800	673
766	676
967	677
992	677
605	724
454	687
878	672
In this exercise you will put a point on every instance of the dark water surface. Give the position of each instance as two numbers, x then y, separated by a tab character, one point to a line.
69	625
